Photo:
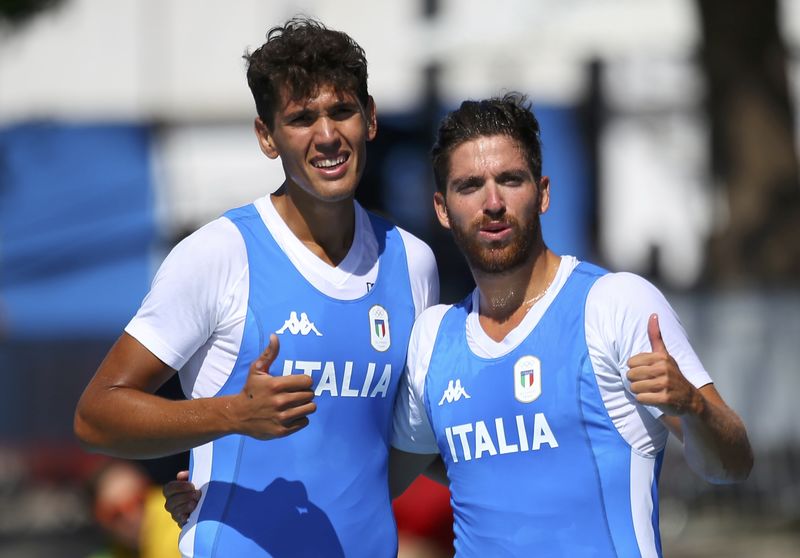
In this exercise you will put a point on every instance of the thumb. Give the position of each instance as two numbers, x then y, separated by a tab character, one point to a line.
654	333
262	364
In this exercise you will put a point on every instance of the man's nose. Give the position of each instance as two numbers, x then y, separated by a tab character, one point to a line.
325	132
493	203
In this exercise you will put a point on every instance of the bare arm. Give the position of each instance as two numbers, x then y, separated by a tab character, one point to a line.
714	438
119	415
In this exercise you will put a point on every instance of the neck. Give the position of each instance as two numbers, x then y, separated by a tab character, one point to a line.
506	298
326	228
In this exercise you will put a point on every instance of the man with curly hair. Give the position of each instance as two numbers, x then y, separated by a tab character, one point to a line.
299	303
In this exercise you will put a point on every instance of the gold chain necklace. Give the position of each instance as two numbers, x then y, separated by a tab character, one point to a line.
530	302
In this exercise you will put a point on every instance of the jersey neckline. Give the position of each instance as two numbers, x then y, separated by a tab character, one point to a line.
483	346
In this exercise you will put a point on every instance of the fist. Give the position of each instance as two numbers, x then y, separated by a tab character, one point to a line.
273	406
656	379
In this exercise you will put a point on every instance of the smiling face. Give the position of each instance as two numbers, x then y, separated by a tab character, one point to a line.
492	204
321	142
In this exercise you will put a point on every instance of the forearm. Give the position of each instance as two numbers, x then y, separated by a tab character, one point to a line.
129	423
715	441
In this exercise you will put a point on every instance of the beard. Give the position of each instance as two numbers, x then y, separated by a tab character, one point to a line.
497	257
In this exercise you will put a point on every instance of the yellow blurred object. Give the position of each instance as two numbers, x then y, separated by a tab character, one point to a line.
159	536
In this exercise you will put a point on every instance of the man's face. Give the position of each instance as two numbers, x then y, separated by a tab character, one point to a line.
492	204
321	142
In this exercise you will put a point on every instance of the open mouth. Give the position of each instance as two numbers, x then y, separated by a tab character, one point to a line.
495	231
495	227
330	163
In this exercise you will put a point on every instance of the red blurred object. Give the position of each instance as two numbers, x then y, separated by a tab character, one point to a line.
423	511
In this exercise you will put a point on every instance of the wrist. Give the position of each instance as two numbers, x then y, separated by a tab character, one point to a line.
229	414
698	406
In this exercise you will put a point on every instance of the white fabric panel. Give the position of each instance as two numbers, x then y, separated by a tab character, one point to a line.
201	476
642	479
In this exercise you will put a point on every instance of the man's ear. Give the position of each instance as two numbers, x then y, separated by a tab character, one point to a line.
265	140
372	119
544	194
440	205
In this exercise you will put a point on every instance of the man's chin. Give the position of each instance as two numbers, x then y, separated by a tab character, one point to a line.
495	262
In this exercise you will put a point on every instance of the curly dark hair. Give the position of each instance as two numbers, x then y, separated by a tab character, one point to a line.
509	115
298	58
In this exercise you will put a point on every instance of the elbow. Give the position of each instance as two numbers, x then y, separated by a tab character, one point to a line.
741	463
735	471
82	432
87	435
741	470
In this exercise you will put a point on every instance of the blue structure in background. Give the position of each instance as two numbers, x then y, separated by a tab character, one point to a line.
567	223
76	228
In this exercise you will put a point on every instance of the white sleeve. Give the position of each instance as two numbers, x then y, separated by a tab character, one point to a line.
412	430
617	311
422	272
190	296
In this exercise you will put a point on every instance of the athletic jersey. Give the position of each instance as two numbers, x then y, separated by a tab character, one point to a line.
311	493
530	474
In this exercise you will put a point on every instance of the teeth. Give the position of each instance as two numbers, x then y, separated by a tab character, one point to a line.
327	163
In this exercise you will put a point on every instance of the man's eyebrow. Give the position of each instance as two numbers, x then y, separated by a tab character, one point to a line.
344	103
520	174
296	113
466	182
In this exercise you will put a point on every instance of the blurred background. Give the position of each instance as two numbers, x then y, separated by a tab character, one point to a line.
670	136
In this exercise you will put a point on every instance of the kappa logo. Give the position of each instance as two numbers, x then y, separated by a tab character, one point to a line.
303	326
454	392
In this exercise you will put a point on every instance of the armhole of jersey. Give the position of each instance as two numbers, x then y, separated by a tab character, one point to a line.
423	273
637	424
196	380
431	318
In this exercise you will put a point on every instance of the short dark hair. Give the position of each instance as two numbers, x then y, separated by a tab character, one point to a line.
509	115
298	58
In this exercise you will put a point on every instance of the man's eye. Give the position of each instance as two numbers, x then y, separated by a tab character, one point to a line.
342	113
467	188
301	120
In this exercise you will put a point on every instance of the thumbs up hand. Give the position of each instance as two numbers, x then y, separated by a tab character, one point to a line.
656	379
272	406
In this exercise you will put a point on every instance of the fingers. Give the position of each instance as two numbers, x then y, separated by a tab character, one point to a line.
177	487
655	385
181	499
293	383
646	366
299	412
182	476
288	422
263	362
654	334
181	507
282	391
